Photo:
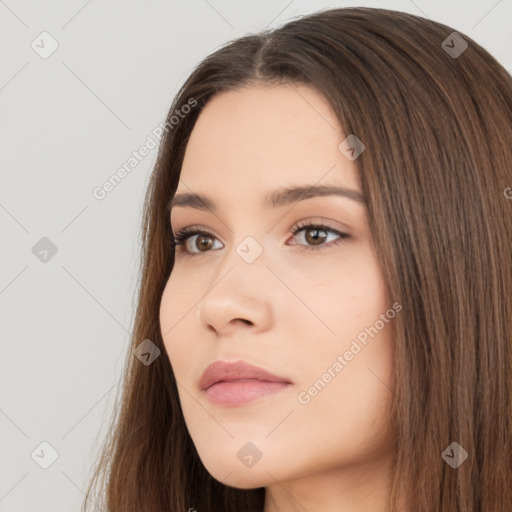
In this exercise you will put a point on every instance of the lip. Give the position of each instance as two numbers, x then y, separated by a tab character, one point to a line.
235	383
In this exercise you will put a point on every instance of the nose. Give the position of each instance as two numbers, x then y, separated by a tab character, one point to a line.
238	301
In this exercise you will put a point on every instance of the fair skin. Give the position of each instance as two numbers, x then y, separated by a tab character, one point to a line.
293	310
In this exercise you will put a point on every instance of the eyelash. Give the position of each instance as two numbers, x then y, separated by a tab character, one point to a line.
182	236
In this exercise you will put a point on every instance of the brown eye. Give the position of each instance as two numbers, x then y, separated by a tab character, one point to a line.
203	242
316	234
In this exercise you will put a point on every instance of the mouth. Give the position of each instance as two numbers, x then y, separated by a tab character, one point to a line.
231	384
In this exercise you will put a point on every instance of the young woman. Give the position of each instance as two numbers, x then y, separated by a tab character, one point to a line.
325	309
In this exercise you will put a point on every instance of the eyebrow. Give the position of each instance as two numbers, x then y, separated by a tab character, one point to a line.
273	199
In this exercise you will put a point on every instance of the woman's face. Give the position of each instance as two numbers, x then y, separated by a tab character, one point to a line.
309	307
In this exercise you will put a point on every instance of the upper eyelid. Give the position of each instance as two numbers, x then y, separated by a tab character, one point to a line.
308	220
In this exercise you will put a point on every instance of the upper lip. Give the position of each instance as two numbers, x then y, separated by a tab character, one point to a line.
224	371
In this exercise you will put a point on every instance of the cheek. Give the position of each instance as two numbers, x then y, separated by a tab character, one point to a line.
173	321
346	393
178	297
347	295
358	350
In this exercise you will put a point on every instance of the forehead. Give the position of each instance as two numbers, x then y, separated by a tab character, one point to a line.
263	137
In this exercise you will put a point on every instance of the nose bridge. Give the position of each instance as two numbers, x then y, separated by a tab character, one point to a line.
246	257
251	248
248	245
238	294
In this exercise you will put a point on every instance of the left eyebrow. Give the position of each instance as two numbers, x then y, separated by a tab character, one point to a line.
273	199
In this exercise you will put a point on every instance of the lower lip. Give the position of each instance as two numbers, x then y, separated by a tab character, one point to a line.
231	394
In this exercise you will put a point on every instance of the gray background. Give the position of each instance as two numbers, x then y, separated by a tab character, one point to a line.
67	123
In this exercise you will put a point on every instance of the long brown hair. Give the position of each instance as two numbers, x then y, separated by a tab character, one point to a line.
435	117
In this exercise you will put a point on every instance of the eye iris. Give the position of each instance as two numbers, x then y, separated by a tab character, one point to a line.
316	239
200	242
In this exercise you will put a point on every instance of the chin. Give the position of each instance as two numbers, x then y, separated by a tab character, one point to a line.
236	474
